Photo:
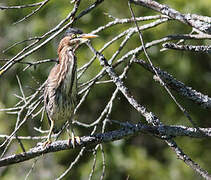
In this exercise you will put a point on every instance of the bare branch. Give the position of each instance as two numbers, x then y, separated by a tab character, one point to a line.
80	154
188	160
202	26
86	141
33	12
200	49
197	97
20	7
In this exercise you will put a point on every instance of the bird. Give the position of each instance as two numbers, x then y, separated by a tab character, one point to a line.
60	93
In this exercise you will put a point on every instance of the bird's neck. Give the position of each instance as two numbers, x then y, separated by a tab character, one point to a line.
68	68
66	54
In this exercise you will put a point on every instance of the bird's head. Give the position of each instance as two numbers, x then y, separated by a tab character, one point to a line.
73	38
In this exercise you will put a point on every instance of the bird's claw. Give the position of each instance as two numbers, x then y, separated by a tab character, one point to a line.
46	143
73	140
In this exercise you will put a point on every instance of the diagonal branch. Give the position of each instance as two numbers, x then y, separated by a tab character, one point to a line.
149	116
186	91
199	24
33	12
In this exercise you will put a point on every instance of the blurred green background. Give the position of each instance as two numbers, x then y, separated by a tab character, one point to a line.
140	157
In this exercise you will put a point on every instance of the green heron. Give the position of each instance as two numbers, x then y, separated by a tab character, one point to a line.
60	95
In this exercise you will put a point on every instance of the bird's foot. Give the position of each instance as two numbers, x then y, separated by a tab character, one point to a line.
47	143
73	140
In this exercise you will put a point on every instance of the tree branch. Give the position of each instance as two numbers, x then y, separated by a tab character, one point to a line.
186	91
200	49
199	24
127	131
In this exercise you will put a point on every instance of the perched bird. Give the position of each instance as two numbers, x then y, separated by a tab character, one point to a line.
60	94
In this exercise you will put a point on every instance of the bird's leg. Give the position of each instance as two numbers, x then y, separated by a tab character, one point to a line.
73	138
48	141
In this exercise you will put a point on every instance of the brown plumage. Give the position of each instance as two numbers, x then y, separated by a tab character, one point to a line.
61	89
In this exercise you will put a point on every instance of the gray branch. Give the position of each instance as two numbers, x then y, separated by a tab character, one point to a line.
149	116
186	91
127	131
202	49
189	19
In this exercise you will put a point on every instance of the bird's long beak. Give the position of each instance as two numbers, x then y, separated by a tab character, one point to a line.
88	36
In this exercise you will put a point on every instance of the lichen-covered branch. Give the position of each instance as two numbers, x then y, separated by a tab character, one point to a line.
181	88
199	24
200	49
127	131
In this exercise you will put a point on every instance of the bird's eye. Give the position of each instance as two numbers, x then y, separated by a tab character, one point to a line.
74	35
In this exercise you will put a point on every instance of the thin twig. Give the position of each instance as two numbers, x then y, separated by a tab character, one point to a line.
33	12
